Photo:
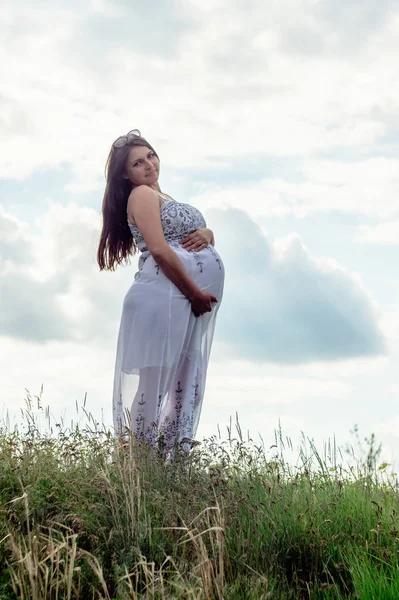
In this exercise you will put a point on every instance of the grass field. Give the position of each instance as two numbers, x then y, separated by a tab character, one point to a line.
85	517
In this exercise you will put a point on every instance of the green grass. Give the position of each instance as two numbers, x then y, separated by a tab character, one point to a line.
82	516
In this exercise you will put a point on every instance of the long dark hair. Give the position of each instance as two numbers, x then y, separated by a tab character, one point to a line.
116	241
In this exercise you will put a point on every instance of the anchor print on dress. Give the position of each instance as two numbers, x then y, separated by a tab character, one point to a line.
140	417
159	405
147	434
142	259
198	261
170	428
178	405
215	257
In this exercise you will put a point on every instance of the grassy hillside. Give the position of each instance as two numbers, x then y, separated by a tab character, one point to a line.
85	517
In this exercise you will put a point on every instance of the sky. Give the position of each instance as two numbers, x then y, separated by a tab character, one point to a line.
280	122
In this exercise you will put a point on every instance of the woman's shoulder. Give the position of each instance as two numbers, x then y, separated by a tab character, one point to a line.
142	191
145	193
146	190
139	194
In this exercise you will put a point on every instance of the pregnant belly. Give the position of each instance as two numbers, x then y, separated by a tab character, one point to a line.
205	268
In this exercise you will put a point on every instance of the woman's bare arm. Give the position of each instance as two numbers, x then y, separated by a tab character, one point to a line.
144	208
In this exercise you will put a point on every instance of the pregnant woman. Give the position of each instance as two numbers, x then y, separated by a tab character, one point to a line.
169	312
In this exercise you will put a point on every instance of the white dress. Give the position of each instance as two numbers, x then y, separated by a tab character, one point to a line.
163	349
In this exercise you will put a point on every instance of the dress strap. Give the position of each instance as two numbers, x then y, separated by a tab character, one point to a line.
164	198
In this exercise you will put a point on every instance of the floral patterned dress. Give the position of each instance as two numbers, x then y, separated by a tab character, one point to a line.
163	349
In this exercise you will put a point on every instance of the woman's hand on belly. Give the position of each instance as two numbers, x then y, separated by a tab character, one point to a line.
198	240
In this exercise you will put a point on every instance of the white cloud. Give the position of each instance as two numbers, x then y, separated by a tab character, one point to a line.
15	241
302	98
366	187
193	80
390	427
260	391
387	433
67	369
386	234
52	287
283	305
390	322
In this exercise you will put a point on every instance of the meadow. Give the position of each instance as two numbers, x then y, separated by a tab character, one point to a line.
85	516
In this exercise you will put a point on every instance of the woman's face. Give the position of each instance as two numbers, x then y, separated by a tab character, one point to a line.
142	166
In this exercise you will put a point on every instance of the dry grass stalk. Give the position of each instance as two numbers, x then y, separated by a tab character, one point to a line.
211	565
44	568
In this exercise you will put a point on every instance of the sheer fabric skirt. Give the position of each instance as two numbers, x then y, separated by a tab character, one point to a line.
163	352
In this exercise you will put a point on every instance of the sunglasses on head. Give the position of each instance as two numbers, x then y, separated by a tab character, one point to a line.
125	139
